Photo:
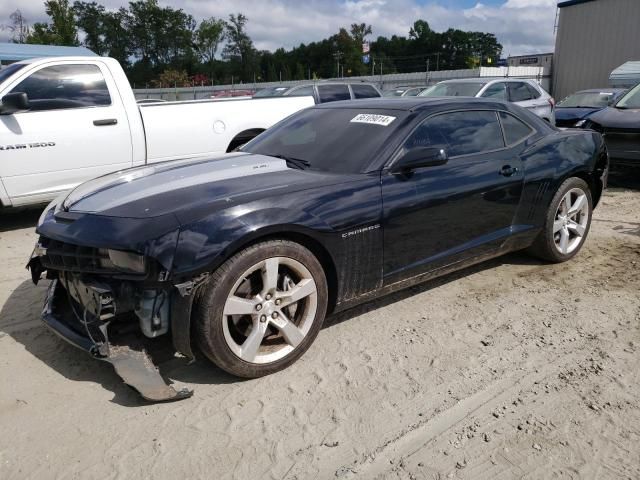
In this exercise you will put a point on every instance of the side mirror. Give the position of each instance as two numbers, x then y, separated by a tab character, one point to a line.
421	157
14	102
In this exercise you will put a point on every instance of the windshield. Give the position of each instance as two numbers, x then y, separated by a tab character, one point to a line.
453	89
631	99
10	70
272	92
338	140
587	99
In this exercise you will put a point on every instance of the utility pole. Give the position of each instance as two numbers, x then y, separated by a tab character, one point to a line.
438	61
337	56
426	77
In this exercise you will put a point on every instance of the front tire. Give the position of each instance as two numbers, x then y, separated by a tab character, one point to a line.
262	309
567	222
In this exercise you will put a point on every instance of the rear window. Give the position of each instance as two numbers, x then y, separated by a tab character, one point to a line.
333	93
271	92
453	89
10	70
364	91
340	140
306	91
518	92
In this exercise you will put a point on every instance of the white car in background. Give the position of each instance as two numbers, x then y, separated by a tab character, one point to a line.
521	91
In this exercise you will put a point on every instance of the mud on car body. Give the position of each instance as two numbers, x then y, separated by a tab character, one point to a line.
241	257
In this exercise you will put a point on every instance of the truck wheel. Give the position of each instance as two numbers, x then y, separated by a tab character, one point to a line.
262	309
567	222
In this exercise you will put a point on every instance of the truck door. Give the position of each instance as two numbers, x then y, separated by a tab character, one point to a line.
75	129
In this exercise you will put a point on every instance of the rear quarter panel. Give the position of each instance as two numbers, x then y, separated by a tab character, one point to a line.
549	162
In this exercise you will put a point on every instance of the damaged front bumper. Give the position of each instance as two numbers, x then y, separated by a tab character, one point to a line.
89	332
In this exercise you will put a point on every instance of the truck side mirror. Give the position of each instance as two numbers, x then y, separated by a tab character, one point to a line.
14	102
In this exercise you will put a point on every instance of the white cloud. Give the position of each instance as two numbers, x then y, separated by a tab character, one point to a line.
522	26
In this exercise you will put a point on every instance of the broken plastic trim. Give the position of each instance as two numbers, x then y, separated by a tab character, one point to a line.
135	367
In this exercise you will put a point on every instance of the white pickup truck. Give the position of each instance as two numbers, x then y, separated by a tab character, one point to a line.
65	120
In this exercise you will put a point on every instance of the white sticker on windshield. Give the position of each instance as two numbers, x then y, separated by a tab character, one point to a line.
373	119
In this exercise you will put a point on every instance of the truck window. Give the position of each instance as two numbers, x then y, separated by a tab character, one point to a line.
65	86
364	91
332	93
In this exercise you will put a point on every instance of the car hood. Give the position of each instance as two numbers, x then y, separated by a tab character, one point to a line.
617	118
574	113
188	185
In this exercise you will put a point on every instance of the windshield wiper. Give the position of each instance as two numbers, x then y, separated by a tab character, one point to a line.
298	163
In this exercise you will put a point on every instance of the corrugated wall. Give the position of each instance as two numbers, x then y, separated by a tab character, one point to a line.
592	39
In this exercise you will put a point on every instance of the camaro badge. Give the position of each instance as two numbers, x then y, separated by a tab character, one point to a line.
360	230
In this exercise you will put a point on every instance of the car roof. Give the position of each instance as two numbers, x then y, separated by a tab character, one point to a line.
485	80
412	104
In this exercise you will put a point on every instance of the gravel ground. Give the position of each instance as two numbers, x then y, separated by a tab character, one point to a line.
511	369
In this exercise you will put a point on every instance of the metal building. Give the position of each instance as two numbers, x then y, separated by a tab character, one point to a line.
593	38
14	52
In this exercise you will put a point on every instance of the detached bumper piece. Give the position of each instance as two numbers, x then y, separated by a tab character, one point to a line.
89	333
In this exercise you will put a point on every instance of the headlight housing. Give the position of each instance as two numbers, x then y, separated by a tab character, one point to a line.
127	262
57	201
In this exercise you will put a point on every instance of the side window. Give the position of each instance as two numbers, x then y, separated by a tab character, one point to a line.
515	130
364	91
306	91
533	91
518	92
65	86
497	91
332	93
459	133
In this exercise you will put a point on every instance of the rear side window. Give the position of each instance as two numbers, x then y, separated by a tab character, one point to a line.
497	91
459	133
518	92
515	130
364	91
65	86
333	93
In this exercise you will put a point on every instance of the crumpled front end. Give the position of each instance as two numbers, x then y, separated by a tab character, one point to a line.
109	303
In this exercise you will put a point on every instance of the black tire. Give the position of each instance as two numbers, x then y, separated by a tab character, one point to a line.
544	246
208	309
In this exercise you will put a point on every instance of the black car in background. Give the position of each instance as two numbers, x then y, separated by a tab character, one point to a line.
620	127
573	110
323	92
243	255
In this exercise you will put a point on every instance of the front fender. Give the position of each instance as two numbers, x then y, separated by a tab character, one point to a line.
206	244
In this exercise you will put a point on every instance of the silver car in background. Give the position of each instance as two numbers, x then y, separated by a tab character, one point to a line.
521	91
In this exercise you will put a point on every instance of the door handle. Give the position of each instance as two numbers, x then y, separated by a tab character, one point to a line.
105	122
508	170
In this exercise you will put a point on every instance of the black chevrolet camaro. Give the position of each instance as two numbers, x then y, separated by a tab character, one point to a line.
242	256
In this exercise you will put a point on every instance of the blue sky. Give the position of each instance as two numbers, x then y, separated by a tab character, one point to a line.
522	26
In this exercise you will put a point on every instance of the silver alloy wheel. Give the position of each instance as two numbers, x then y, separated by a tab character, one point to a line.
270	310
571	221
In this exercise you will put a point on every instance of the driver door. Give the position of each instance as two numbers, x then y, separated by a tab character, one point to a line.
76	129
439	215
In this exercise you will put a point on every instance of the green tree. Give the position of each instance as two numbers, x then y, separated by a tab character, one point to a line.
90	18
208	36
359	31
61	31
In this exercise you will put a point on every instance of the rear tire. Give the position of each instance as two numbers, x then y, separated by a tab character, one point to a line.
567	223
262	309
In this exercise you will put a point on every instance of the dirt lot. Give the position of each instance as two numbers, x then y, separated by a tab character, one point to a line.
512	369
